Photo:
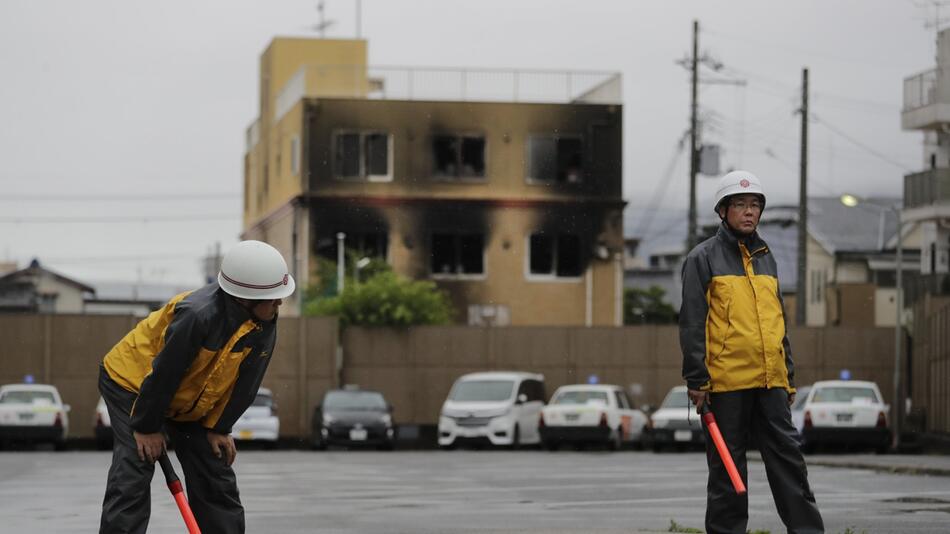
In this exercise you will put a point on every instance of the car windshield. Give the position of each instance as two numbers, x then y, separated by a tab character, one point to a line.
263	400
482	390
580	397
354	400
847	394
27	397
676	398
800	398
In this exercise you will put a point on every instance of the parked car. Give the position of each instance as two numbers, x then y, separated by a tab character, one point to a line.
492	408
839	412
102	426
34	413
353	417
582	414
259	422
675	423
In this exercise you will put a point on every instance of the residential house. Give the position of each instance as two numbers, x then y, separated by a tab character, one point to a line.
36	289
502	187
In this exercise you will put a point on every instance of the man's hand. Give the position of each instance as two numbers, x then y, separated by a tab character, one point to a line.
222	445
698	398
149	446
791	399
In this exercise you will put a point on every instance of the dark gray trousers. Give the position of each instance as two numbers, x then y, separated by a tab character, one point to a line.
763	416
210	482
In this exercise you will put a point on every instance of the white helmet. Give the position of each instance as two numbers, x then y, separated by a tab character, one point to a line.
738	183
256	271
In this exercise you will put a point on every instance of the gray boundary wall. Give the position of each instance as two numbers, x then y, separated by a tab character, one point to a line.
415	367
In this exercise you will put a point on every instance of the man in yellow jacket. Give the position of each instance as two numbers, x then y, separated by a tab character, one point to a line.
737	359
189	370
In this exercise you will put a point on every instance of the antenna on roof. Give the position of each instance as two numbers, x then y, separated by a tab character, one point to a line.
322	24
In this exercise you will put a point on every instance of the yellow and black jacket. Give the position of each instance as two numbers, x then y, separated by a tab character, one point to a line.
732	322
201	357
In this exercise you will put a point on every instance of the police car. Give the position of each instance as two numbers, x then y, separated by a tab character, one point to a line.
842	412
33	413
584	413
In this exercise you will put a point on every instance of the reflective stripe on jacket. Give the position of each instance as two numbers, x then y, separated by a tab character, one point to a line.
201	357
732	322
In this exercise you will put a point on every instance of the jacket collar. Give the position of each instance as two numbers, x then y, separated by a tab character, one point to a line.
752	242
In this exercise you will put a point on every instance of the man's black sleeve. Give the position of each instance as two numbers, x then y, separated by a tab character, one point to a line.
786	346
183	339
693	312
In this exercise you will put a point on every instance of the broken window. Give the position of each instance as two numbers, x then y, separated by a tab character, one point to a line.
362	155
364	244
555	255
554	159
456	156
457	254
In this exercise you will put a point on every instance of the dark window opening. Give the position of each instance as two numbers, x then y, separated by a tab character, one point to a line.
555	255
458	156
363	244
454	254
555	159
361	155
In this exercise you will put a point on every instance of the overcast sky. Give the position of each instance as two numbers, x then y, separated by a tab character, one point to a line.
130	110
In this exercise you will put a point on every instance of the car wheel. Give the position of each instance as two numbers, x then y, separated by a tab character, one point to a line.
59	445
516	438
550	445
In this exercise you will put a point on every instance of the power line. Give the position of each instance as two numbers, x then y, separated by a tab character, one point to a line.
120	218
866	148
117	198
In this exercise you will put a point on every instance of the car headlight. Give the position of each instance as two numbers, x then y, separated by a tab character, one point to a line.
660	423
387	419
327	419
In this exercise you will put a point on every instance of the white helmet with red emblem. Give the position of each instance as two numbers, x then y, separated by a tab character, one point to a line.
738	183
256	271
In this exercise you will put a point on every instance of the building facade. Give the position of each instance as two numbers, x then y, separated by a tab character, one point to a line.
509	201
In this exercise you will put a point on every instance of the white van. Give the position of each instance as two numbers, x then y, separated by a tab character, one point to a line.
497	408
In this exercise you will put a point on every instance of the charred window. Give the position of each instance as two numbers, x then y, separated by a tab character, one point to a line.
554	159
458	156
363	244
362	156
555	255
457	254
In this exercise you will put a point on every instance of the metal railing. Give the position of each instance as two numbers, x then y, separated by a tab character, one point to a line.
920	90
926	188
450	84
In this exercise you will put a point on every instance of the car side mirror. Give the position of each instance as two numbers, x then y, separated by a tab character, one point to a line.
522	398
646	408
67	408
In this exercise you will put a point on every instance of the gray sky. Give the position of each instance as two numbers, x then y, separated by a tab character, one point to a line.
142	106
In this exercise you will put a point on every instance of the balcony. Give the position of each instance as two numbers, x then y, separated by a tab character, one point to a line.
927	194
926	100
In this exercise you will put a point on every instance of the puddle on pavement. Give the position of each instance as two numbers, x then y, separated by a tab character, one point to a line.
918	500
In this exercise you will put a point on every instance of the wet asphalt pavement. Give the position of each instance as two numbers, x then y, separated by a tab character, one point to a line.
351	492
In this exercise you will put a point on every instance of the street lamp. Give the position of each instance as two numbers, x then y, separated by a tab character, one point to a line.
852	201
340	264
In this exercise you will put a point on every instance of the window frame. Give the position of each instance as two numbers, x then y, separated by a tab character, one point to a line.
458	178
530	180
363	176
553	277
459	276
295	155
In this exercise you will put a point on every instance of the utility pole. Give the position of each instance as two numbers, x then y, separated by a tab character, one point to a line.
691	235
801	290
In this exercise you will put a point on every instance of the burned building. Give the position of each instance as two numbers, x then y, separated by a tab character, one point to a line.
502	187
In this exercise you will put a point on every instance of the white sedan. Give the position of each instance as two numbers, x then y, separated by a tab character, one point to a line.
591	414
259	422
33	412
838	412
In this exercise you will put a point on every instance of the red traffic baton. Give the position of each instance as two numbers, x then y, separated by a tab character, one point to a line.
174	486
724	454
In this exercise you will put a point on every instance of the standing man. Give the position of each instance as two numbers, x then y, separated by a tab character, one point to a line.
189	370
736	358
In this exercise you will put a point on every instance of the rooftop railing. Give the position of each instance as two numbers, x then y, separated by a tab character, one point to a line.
920	90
